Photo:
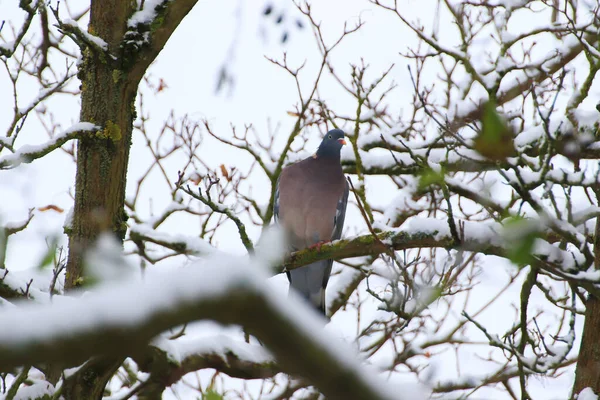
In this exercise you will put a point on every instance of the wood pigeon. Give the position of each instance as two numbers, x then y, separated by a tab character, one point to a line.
310	205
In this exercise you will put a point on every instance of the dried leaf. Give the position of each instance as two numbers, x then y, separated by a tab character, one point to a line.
225	173
196	179
161	86
51	207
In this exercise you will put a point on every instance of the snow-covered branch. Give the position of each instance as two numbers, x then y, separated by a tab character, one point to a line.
8	49
453	158
222	209
150	29
29	153
179	243
121	319
169	360
484	238
82	38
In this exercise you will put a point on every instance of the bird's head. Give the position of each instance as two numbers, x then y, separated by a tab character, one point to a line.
332	144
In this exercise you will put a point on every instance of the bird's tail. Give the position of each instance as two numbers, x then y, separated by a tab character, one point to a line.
310	282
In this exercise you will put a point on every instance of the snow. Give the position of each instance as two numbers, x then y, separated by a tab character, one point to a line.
41	95
484	232
21	154
495	234
146	15
529	136
390	135
7	141
476	97
104	261
5	303
478	188
131	303
580	216
379	158
92	38
221	345
35	391
404	200
437	227
8	46
567	260
11	225
586	117
172	207
13	281
193	245
122	304
68	224
587	394
421	300
509	4
271	246
367	114
507	37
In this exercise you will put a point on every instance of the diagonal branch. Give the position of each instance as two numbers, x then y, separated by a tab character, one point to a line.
29	153
222	209
8	49
167	17
230	291
234	358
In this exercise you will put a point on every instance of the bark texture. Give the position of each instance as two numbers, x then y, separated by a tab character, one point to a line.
107	100
587	372
109	81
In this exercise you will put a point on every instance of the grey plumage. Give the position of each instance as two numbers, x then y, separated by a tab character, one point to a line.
310	204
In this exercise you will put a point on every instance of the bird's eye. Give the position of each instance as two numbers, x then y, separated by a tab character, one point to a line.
329	136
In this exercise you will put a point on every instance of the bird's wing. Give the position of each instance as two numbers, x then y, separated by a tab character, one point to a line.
276	202
338	226
340	214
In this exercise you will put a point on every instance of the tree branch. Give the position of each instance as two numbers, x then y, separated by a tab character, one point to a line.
28	153
168	16
9	49
230	291
234	358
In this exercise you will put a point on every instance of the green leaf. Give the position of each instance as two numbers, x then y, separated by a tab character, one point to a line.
48	258
495	140
520	235
212	395
430	177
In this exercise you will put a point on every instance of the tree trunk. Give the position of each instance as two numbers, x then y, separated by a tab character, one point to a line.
587	371
109	82
89	382
107	100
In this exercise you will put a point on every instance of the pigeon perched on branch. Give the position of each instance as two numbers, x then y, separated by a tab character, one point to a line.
310	206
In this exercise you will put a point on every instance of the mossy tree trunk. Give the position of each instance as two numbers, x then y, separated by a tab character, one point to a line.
107	100
101	165
587	372
109	81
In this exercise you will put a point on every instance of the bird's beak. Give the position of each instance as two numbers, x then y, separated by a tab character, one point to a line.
342	141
